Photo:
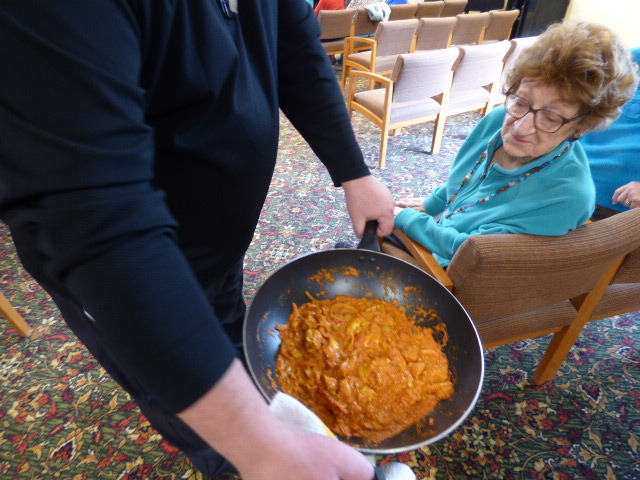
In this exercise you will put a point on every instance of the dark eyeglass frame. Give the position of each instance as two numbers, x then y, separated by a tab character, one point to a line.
512	96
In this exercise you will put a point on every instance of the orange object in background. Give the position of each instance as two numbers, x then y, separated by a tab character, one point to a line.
362	366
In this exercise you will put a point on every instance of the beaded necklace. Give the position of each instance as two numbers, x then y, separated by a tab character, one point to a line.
520	179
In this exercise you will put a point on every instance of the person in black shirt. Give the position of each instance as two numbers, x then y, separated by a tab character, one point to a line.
137	143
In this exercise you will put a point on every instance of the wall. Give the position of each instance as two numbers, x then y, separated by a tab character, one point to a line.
620	15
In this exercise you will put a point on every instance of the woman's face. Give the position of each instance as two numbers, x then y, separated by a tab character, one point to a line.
521	138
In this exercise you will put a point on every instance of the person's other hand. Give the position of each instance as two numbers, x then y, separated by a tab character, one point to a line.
309	456
234	418
368	199
628	195
416	203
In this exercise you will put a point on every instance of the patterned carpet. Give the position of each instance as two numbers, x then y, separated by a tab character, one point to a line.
62	417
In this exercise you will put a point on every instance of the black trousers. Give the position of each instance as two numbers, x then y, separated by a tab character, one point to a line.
225	294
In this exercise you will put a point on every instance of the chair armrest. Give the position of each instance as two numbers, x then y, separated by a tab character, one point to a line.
372	76
425	259
350	44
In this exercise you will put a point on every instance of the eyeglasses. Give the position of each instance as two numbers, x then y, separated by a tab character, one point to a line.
544	120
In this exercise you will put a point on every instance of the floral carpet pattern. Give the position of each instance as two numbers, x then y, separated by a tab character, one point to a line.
62	417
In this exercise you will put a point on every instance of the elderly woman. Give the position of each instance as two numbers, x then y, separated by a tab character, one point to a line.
520	170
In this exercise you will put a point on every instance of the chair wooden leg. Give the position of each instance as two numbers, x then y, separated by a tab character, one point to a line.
15	319
487	108
345	74
438	130
383	148
555	355
563	340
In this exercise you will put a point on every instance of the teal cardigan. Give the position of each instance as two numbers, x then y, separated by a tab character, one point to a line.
551	201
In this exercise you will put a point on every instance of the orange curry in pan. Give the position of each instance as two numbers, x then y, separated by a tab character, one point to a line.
362	366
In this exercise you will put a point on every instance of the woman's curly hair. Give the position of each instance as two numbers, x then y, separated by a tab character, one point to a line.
589	65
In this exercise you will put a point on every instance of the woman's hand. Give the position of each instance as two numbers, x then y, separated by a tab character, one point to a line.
417	203
628	195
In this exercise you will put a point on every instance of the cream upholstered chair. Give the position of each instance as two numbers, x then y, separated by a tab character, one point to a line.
13	317
416	93
517	286
476	77
518	45
453	7
434	33
335	26
500	25
402	11
429	9
391	39
469	29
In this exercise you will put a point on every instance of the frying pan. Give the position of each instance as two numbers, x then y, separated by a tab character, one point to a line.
381	276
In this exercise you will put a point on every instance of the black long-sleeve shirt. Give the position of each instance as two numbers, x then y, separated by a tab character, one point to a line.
137	143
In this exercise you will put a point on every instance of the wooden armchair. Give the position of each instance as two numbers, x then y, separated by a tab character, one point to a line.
453	7
500	25
476	77
417	92
13	317
429	9
391	39
469	28
335	26
522	286
402	11
434	33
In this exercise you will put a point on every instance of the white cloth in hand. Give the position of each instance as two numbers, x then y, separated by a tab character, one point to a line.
293	412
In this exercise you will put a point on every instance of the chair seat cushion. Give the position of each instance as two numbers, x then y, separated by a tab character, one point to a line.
362	58
383	64
402	111
468	97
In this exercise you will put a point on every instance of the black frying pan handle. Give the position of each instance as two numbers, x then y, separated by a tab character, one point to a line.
379	474
369	239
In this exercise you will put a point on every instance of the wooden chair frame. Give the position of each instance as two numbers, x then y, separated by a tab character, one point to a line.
13	317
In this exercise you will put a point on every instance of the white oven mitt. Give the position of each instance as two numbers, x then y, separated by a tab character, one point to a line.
294	413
